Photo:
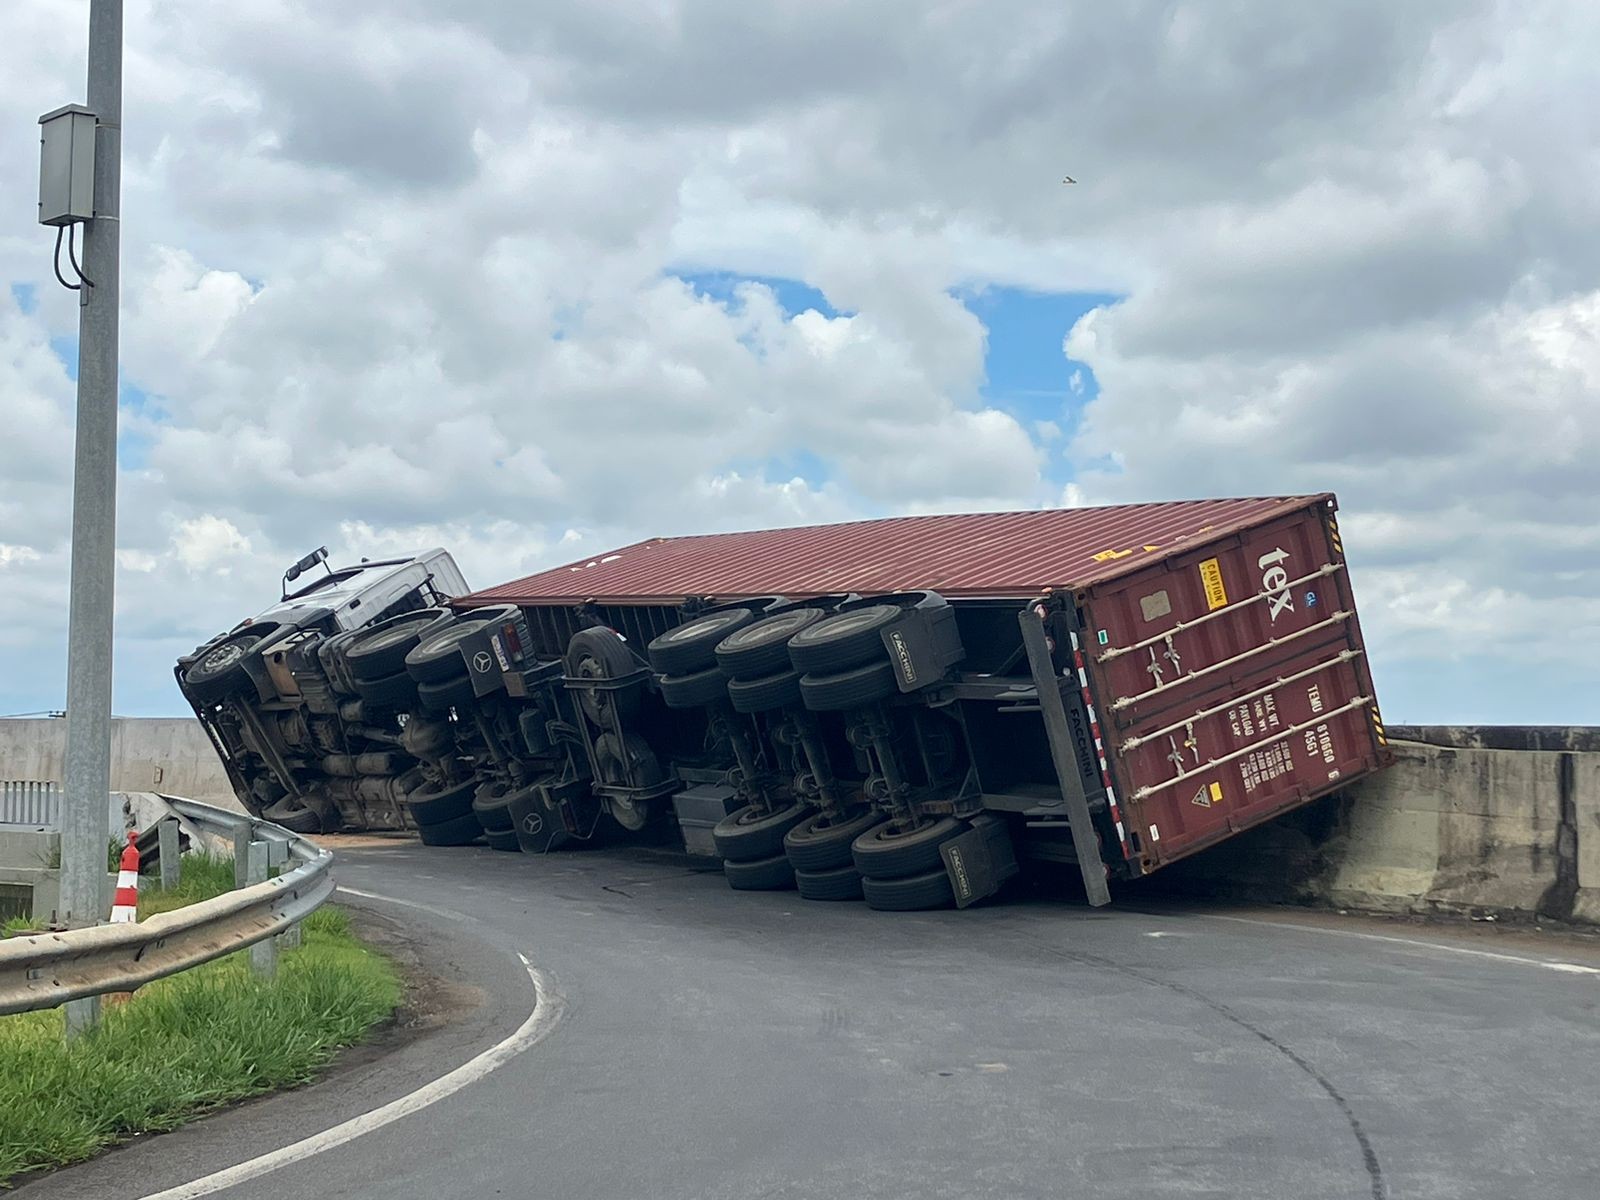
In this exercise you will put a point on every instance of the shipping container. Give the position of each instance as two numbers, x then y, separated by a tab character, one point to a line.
906	709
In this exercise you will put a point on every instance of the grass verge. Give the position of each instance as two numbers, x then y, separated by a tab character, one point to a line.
189	1043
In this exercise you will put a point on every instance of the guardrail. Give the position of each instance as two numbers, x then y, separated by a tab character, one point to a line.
30	802
48	969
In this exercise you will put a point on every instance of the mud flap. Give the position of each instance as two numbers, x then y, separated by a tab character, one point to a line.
547	817
980	860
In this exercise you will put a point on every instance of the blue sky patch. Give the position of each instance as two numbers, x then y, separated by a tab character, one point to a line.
794	296
1026	372
27	297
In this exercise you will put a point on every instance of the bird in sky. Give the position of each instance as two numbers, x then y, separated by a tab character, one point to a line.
1069	179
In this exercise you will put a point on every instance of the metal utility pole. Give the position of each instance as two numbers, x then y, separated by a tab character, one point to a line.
84	831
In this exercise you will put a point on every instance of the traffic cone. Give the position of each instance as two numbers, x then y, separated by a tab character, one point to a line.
125	904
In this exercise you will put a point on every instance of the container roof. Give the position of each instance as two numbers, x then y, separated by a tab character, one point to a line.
977	555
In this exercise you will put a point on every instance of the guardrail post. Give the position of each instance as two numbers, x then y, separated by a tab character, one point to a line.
167	848
264	954
278	856
241	854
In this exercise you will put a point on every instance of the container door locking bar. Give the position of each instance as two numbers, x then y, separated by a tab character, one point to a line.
1084	838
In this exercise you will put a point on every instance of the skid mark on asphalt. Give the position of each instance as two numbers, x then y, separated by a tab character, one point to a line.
1369	1156
549	1005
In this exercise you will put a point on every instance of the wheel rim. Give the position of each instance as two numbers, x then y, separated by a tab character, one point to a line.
846	623
632	817
771	629
225	655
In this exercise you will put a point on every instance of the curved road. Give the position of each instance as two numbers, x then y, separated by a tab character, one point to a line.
720	1045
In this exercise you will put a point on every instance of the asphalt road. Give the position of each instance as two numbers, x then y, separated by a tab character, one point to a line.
719	1045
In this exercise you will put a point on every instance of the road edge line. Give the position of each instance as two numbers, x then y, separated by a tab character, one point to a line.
549	1006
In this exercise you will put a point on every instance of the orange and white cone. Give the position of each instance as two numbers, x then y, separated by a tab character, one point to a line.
125	905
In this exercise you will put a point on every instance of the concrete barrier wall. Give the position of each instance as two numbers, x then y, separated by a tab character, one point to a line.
1480	820
148	754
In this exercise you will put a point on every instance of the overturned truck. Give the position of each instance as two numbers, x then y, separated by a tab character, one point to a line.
899	710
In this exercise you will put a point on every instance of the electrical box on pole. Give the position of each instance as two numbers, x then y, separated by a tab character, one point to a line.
66	165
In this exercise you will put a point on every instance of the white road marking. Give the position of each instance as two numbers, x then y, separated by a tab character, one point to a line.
448	914
1569	968
549	1005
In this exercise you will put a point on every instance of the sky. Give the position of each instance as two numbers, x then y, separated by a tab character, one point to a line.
530	281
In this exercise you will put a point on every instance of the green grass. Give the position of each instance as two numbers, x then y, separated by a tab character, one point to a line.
189	1043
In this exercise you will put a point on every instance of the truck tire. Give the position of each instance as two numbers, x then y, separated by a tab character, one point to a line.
931	889
458	831
694	690
330	657
844	640
442	697
765	694
391	691
294	815
692	646
434	802
816	845
219	672
380	650
849	689
600	653
762	649
437	657
502	839
883	853
489	805
839	883
772	874
747	834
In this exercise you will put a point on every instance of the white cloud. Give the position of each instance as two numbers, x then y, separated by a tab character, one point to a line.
401	274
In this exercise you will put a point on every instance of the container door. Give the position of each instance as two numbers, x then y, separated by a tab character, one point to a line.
1232	683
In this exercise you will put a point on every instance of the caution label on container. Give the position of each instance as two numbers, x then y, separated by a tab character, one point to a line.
1211	577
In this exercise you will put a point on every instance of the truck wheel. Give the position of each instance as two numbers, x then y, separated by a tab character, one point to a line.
763	648
849	689
748	833
330	656
694	690
841	883
627	762
442	697
294	815
600	653
843	640
929	890
759	875
765	694
380	650
437	657
818	845
692	646
502	839
391	691
885	853
490	807
458	831
219	672
434	802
